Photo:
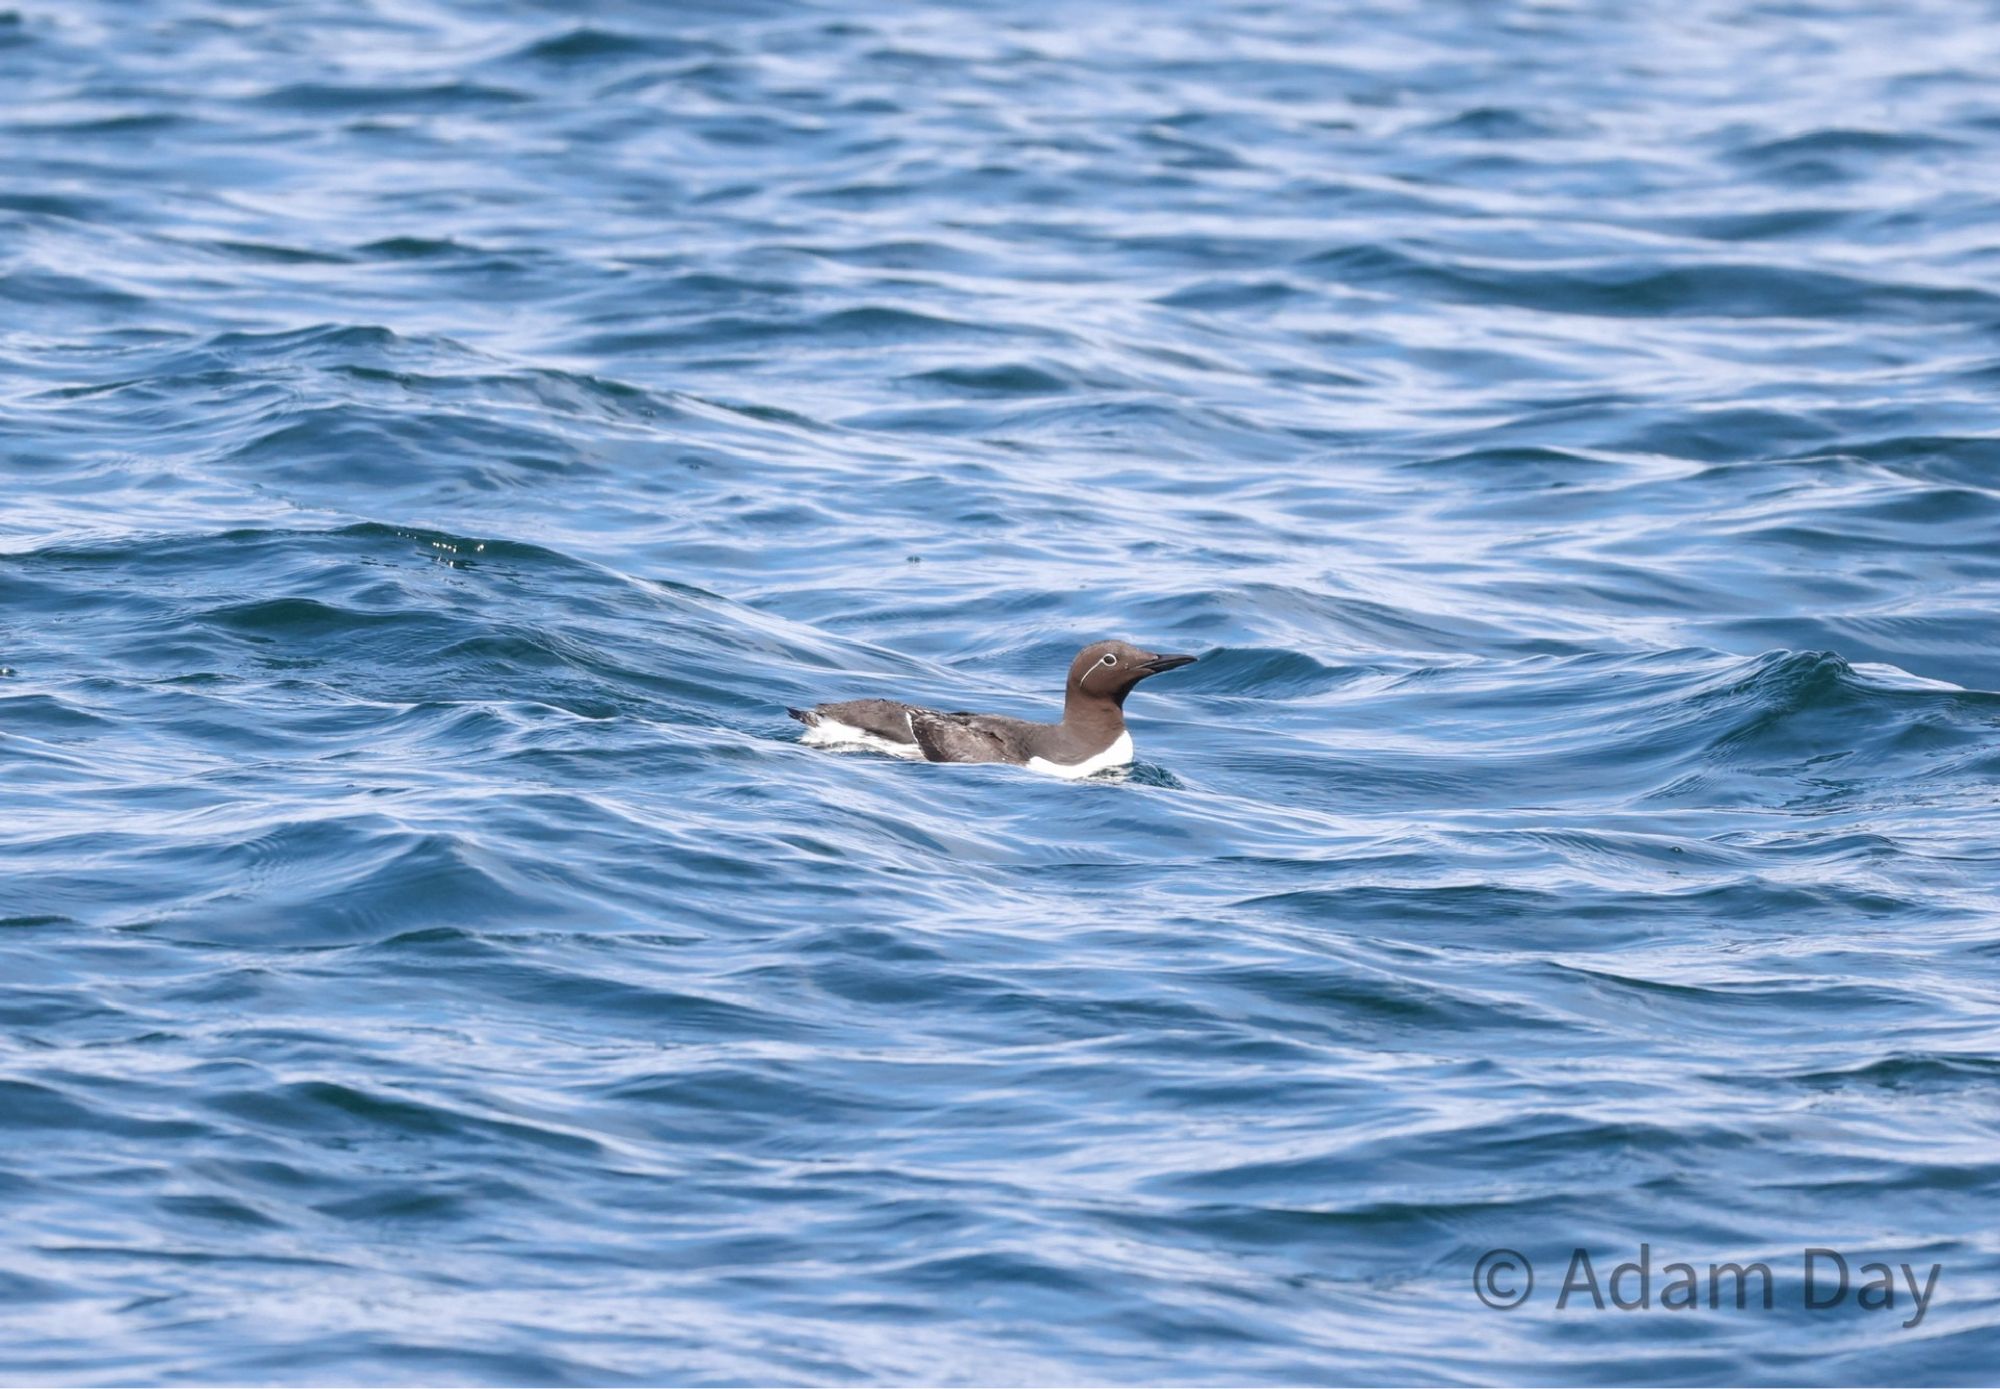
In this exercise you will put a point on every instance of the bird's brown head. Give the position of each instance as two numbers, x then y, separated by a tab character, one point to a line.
1109	670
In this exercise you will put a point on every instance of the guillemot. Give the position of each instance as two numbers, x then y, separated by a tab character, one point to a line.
1091	738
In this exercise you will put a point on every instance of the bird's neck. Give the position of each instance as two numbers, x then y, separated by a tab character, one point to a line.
1093	717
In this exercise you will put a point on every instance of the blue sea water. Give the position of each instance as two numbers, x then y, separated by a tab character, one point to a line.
438	438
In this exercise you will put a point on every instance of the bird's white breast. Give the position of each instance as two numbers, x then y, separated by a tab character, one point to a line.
1117	755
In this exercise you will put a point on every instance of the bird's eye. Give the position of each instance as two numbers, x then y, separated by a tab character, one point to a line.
1109	659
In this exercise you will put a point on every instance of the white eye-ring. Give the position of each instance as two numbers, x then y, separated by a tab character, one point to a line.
1110	659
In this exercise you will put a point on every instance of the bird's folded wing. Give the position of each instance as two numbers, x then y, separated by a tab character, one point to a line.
885	718
958	738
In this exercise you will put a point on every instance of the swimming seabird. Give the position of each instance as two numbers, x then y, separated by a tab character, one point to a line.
1091	737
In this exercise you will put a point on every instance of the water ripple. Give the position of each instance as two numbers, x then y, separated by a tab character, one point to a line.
439	440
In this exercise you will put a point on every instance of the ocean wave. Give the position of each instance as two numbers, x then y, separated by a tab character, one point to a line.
439	442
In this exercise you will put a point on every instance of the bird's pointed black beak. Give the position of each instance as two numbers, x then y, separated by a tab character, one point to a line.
1153	665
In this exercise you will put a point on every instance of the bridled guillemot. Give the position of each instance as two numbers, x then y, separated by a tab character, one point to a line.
1091	737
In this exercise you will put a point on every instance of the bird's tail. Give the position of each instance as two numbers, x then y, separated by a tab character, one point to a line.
804	716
